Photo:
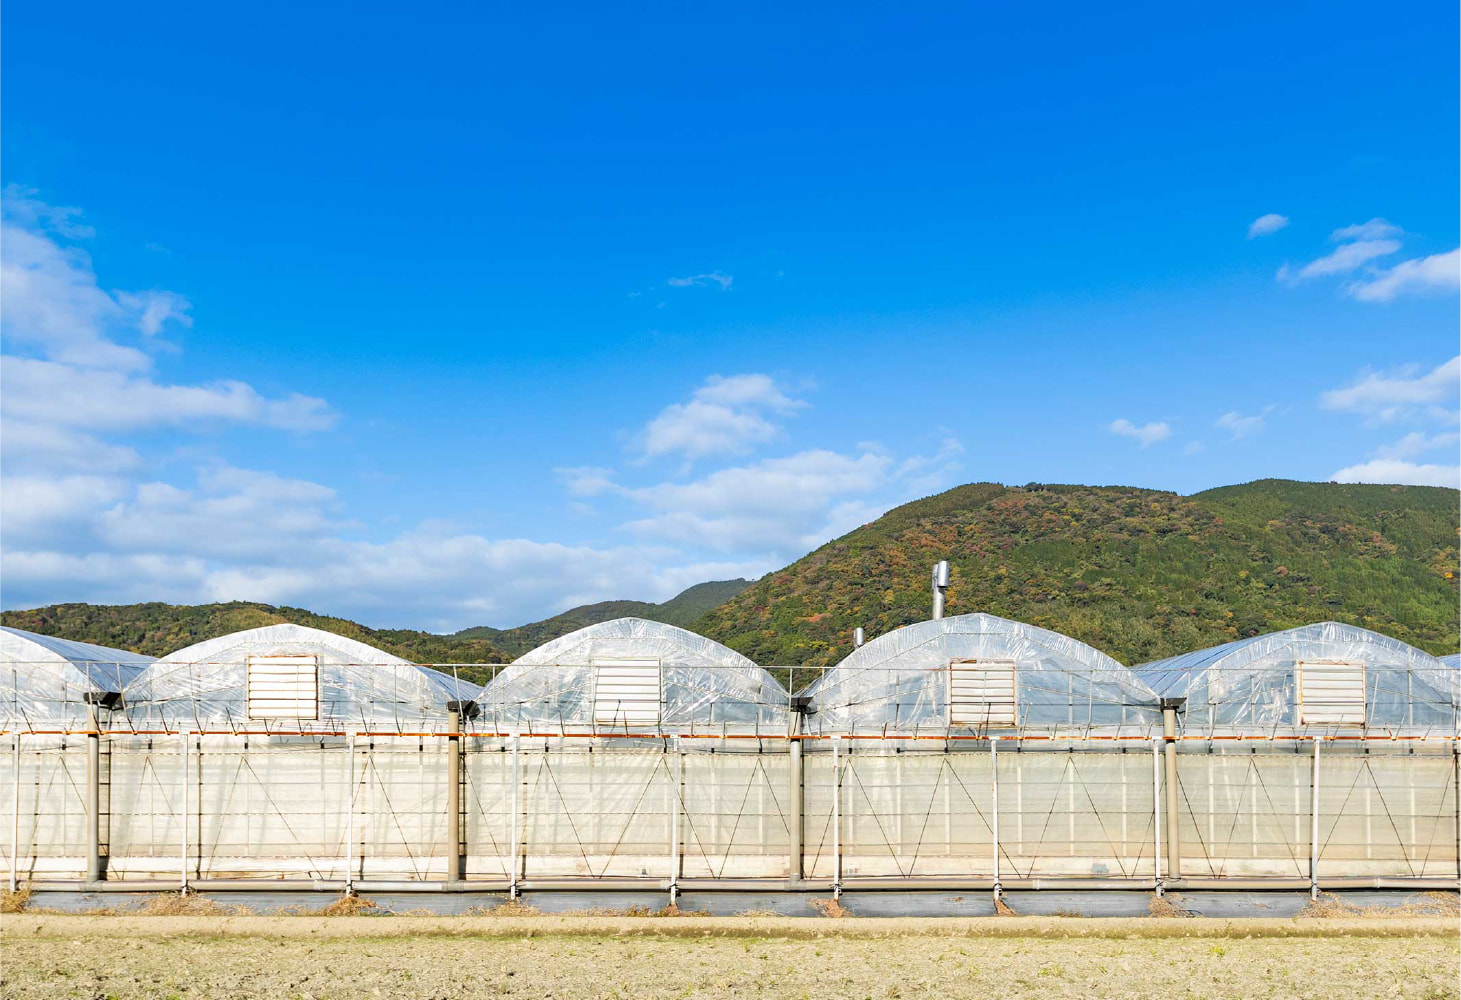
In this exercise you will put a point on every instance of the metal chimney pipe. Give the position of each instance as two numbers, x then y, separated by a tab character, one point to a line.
940	584
857	637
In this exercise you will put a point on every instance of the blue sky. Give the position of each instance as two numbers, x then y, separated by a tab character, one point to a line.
462	316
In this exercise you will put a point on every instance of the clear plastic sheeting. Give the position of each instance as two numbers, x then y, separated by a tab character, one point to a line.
206	686
905	681
1253	684
702	684
44	681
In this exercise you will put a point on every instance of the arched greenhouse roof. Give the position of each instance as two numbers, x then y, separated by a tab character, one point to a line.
292	678
632	673
44	680
1358	677
977	672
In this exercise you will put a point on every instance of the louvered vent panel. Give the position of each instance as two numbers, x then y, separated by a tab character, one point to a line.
982	693
626	692
284	687
1331	693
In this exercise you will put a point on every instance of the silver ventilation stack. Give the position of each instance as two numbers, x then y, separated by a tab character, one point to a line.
940	584
858	637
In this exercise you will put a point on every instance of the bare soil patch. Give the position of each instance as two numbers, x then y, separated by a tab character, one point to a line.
695	957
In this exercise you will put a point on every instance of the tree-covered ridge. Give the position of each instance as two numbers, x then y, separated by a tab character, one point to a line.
1137	573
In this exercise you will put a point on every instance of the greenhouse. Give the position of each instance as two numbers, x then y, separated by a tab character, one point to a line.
283	751
1325	751
636	749
54	691
967	753
979	746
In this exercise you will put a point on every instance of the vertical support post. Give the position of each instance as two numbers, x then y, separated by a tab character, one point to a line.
795	806
1456	802
350	815
836	817
1172	787
1157	812
454	851
513	828
677	778
1314	825
994	798
93	796
15	813
183	825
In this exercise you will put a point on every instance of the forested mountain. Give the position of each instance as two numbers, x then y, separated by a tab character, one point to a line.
1137	573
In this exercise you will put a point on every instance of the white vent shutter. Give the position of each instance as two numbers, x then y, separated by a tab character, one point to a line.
626	692
284	687
982	693
1331	693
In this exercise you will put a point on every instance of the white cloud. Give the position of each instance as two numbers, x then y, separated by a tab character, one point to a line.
725	416
1406	392
1437	273
154	310
1238	425
1391	470
1345	258
1266	224
1147	434
1418	443
1194	448
64	395
587	480
1375	229
710	278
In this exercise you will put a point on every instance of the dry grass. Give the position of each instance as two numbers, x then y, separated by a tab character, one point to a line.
173	904
455	958
14	902
831	907
1165	907
1422	904
348	906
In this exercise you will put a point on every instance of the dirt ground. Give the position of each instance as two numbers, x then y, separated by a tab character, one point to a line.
689	957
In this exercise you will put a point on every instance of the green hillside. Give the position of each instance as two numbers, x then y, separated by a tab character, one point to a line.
157	629
683	610
1137	573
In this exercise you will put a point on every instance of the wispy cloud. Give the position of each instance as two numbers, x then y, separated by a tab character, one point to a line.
1238	425
1406	392
1360	246
1439	272
1266	224
710	278
1147	434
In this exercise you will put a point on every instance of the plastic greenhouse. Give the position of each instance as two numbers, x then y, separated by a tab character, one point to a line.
51	692
283	750
911	784
967	754
637	748
45	682
1325	750
1327	677
631	675
979	673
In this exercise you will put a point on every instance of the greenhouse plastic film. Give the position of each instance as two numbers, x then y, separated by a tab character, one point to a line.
704	684
901	680
205	686
44	680
1252	682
